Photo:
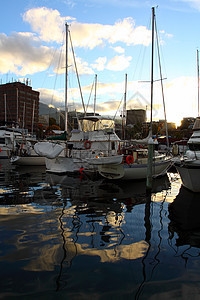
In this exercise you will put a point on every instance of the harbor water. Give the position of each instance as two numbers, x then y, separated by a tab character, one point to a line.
77	237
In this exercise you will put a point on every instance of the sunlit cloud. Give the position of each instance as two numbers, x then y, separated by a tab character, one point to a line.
55	98
118	49
99	64
47	22
23	54
119	63
110	97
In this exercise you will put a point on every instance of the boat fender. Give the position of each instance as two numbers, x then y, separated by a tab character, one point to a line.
129	159
81	170
87	144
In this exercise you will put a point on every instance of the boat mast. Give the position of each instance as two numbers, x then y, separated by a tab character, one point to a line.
150	143
95	94
66	76
152	54
198	78
17	106
33	115
124	110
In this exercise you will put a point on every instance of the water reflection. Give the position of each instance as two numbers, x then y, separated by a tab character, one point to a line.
79	237
184	216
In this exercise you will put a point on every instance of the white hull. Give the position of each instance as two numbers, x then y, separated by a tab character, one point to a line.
190	176
105	160
4	152
134	171
28	160
62	165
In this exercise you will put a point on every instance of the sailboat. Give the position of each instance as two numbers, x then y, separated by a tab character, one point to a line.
189	165
95	137
140	163
23	153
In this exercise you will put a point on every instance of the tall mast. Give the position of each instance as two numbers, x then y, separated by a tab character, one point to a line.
33	116
198	78
124	110
152	55
17	106
66	77
150	143
95	93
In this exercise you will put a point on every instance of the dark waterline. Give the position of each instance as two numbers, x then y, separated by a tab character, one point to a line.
80	238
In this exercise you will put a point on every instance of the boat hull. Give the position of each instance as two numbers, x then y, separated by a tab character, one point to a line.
28	160
62	165
134	171
105	160
4	152
190	176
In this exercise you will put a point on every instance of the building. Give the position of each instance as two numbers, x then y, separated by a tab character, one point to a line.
135	116
19	104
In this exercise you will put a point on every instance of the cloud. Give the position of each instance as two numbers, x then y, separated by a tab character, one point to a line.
22	54
93	35
119	63
118	49
99	64
53	97
47	22
28	53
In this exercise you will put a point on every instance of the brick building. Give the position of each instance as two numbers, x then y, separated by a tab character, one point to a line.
18	103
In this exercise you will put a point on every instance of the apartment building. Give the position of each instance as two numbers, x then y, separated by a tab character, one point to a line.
19	104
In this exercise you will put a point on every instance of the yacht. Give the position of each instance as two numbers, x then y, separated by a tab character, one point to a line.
189	165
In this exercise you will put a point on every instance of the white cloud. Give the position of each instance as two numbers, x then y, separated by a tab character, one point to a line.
21	53
93	35
119	63
53	97
47	22
99	64
118	49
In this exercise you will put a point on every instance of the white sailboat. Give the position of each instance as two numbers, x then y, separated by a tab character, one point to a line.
189	165
140	163
95	138
8	138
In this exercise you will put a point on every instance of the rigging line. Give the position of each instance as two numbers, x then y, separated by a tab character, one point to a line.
56	76
52	58
90	96
77	74
63	246
159	235
118	108
141	54
166	130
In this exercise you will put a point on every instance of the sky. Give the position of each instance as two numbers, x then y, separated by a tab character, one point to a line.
110	39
